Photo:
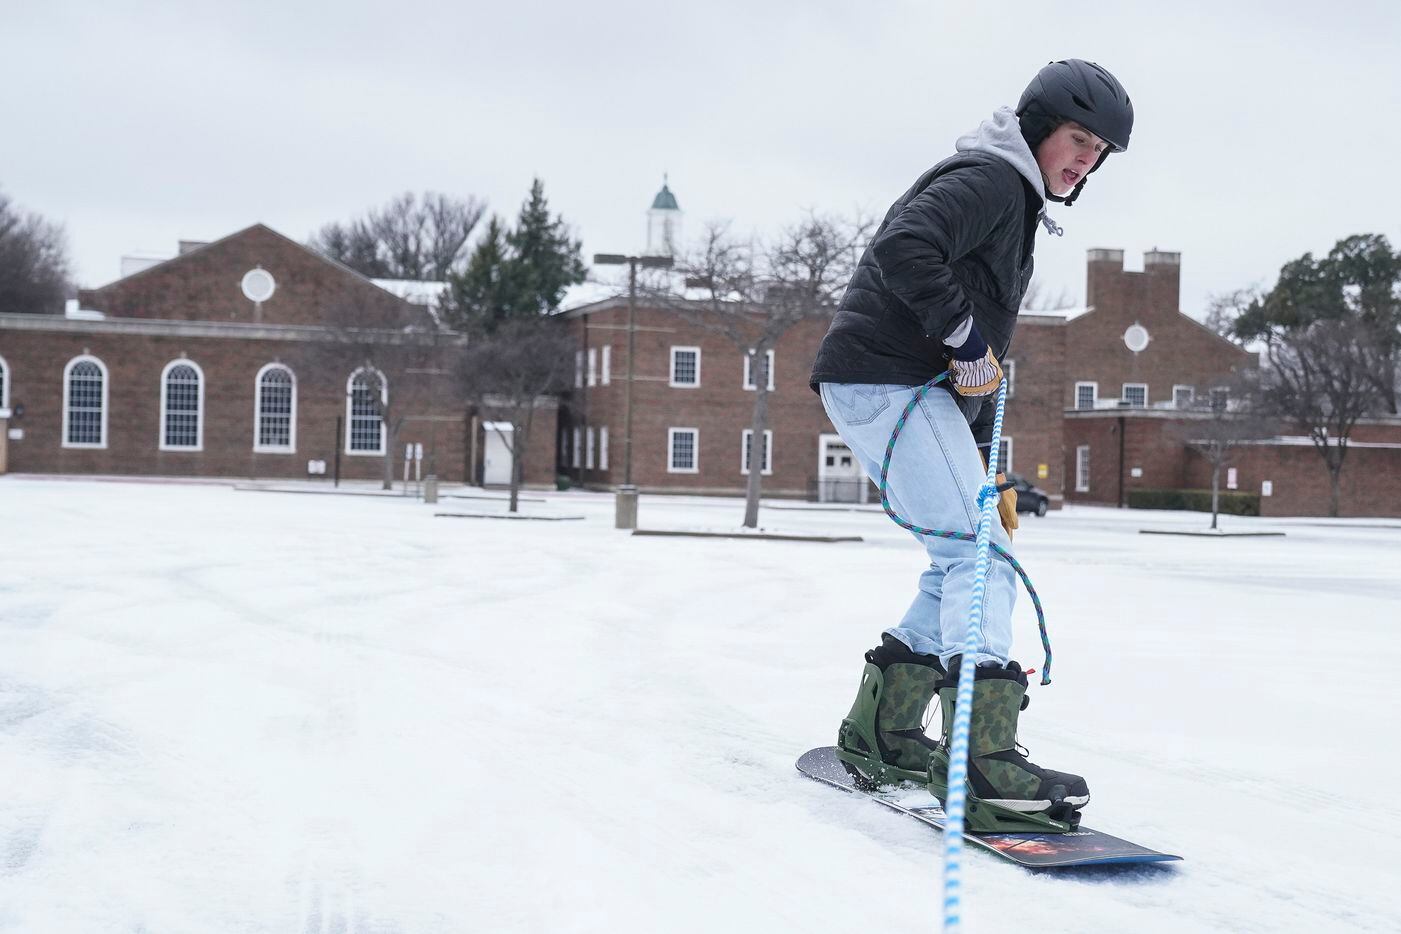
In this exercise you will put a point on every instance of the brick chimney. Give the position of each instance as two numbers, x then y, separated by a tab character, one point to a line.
1112	290
1102	269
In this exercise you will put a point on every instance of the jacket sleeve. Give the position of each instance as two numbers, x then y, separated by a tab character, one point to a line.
955	214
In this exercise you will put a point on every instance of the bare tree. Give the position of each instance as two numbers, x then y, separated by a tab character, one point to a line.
1319	376
369	338
1224	308
408	238
1038	298
33	262
1230	416
510	373
753	292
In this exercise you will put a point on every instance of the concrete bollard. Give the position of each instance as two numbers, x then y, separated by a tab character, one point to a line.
430	489
625	515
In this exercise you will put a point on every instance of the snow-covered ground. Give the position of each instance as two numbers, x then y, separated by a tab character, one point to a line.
232	711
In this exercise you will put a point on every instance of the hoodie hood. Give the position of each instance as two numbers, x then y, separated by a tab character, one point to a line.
1001	136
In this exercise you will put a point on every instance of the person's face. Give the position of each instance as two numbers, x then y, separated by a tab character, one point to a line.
1066	156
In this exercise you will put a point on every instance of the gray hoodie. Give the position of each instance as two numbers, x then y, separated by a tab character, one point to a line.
1002	137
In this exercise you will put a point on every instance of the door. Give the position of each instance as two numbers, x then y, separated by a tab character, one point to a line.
840	478
496	454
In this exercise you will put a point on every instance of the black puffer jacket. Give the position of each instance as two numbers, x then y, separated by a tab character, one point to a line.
958	243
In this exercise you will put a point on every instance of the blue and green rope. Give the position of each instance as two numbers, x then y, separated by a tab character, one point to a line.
986	491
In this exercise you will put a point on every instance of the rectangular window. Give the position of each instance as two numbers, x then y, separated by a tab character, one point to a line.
588	449
765	368
1009	370
1004	455
607	374
1183	396
1086	395
746	440
685	367
578	369
574	457
1220	398
1082	469
683	450
603	447
1135	395
593	366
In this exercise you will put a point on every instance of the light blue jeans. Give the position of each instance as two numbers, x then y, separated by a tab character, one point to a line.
934	477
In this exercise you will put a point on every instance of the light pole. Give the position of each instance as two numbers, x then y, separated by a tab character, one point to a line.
626	517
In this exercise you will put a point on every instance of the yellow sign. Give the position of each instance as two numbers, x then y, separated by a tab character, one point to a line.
1042	471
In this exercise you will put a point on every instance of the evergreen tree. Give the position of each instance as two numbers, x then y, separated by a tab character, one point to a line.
519	273
548	258
487	291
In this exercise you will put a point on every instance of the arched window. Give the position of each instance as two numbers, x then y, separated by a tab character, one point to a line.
365	416
275	411
85	403
182	407
4	384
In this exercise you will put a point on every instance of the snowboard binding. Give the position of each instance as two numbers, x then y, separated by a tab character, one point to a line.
982	816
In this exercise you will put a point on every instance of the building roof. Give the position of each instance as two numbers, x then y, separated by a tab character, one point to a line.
665	200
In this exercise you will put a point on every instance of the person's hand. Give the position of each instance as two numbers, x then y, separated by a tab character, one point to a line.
1007	505
976	377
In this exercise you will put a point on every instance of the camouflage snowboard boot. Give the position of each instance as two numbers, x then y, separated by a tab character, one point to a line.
1005	791
882	741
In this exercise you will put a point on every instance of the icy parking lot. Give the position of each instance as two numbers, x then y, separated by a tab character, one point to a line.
234	711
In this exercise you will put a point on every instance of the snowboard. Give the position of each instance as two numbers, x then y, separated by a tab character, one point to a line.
1080	847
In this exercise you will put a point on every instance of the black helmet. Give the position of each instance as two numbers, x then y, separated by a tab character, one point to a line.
1086	93
1081	91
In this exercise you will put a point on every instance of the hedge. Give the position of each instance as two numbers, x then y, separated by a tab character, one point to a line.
1229	504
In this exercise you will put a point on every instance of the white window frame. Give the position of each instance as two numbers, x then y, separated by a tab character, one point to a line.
606	376
578	369
67	400
350	416
749	371
1225	391
672	379
576	452
1094	395
1082	468
671	434
1191	395
1124	394
1005	466
766	466
4	389
164	444
1009	372
588	448
291	446
593	366
603	447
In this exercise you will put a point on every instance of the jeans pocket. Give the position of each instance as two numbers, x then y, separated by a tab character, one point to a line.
858	403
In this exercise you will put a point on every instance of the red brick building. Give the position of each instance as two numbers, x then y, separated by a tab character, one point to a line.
176	370
1097	398
693	398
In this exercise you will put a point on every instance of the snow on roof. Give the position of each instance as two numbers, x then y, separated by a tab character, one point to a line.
416	291
1068	314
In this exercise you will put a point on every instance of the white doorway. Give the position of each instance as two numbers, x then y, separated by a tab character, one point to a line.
496	454
840	478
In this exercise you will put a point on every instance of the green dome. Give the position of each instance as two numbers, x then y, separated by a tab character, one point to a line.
665	200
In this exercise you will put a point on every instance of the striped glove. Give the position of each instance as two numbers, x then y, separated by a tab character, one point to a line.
978	377
973	368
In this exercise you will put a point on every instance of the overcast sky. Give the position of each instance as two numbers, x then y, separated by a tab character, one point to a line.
1264	130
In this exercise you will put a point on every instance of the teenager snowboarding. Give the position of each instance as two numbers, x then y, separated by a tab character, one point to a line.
938	290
